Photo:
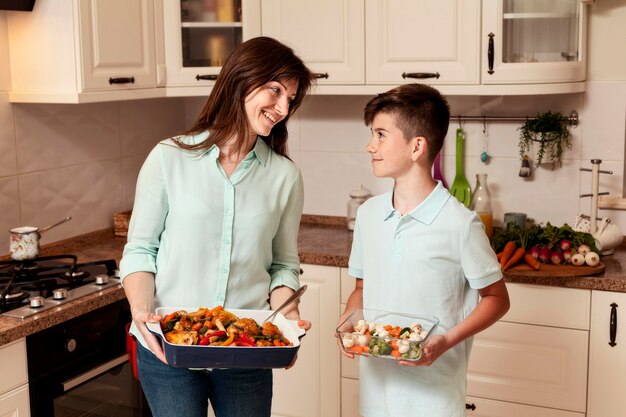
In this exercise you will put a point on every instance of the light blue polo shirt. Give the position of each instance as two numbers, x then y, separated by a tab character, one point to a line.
430	262
211	239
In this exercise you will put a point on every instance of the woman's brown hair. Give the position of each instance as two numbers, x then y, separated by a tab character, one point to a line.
250	65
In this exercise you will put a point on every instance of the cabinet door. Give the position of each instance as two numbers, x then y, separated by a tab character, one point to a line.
435	42
350	397
535	365
117	44
14	368
15	403
481	407
327	34
199	36
607	355
533	41
311	388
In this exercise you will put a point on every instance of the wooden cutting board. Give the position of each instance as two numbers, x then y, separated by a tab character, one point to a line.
550	270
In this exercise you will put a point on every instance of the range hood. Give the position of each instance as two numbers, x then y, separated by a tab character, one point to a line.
20	5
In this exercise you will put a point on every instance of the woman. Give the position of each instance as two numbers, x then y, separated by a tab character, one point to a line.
215	222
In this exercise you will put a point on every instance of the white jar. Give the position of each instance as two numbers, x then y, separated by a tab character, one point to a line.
357	197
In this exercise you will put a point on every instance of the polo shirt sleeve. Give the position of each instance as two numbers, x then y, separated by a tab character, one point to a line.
355	263
478	260
285	267
148	219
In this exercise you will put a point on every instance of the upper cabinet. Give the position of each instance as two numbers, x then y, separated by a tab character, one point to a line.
200	34
436	42
73	51
533	42
327	34
462	46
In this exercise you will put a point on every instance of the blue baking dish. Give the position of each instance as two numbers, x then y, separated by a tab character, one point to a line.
195	356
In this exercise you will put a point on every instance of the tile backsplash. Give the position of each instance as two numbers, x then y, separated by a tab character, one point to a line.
82	160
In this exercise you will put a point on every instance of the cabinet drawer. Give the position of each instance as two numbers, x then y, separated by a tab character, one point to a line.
15	403
491	408
543	366
549	306
13	359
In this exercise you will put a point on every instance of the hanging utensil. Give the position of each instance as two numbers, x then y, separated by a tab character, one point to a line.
288	301
437	170
460	186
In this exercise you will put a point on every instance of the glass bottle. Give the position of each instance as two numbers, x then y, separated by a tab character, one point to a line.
481	203
357	197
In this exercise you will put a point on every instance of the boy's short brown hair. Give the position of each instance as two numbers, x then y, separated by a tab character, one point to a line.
418	110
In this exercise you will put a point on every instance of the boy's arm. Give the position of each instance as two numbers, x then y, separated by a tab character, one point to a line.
493	304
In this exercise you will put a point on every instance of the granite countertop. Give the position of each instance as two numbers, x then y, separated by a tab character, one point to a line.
323	240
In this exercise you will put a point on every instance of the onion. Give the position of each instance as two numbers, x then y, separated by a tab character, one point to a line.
592	259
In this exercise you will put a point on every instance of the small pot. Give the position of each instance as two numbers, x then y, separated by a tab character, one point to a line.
24	242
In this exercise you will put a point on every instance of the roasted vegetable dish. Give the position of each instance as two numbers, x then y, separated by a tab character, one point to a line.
219	327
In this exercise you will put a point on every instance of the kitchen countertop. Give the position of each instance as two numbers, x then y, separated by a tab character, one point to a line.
323	240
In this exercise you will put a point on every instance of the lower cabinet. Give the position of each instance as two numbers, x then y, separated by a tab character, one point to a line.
312	387
349	397
14	400
481	407
607	355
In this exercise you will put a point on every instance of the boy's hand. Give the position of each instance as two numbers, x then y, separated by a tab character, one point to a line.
436	346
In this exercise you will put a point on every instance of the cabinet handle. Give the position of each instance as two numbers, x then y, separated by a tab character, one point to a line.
209	77
122	80
490	53
613	325
420	75
319	75
471	406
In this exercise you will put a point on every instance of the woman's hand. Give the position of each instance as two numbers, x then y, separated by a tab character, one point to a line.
141	318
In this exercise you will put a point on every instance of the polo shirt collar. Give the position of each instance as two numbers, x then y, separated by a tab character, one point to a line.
427	210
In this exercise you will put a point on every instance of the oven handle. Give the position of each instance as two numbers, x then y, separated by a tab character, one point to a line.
105	367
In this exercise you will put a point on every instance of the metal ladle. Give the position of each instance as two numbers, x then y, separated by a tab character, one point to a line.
288	301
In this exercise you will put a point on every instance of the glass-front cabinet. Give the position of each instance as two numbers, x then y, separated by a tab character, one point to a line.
533	41
200	34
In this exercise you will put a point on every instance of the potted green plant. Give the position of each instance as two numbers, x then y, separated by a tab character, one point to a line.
549	130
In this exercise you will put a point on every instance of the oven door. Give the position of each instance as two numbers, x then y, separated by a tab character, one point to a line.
108	390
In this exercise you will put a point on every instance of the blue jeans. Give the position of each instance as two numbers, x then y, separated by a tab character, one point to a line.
183	392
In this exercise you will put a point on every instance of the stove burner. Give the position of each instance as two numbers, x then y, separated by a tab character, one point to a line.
14	294
26	266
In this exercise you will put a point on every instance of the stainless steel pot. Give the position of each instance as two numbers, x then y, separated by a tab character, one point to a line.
24	242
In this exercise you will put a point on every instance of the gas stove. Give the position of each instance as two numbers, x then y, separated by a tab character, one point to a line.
30	287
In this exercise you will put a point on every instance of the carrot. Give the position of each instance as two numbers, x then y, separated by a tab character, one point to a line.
499	256
394	344
531	261
507	252
395	353
515	258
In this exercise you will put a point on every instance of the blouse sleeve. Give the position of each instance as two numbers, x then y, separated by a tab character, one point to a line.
148	218
285	267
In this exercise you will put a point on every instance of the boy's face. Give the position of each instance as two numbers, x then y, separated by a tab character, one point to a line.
391	153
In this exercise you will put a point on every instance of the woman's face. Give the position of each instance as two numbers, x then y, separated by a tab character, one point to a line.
269	104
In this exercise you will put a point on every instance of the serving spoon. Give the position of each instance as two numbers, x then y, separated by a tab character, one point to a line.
288	301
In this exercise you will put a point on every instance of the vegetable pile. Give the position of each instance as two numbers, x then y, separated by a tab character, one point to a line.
385	340
218	327
536	244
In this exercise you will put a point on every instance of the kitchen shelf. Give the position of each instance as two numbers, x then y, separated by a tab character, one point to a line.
572	119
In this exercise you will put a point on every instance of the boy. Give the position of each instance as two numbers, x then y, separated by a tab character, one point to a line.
417	250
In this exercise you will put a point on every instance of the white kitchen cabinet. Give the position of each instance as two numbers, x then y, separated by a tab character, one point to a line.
74	51
350	397
312	387
536	355
534	42
435	42
328	35
482	407
607	355
199	36
14	400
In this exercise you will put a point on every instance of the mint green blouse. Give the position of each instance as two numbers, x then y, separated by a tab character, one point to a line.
210	239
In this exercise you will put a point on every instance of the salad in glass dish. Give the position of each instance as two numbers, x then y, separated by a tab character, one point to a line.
385	334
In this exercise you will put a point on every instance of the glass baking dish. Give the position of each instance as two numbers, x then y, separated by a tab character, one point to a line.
385	334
